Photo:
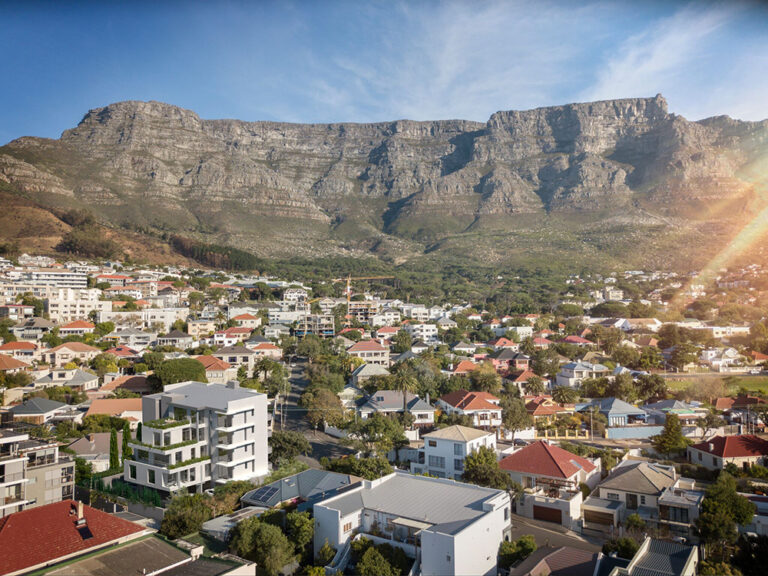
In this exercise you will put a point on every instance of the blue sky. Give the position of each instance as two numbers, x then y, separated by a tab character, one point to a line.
330	61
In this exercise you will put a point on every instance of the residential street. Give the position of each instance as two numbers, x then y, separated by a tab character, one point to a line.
322	444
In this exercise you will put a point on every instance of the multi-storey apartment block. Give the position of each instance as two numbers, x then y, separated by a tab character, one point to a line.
32	473
196	435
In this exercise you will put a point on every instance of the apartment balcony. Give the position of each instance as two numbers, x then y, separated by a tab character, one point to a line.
14	478
231	426
229	461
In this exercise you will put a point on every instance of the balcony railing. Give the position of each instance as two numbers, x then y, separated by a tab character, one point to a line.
15	477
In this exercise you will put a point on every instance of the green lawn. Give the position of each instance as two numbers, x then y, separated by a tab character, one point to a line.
758	384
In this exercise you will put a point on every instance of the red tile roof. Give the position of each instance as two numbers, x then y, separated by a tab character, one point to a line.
266	346
114	406
211	363
758	356
367	346
122	351
576	340
19	346
235	331
501	343
245	317
740	446
133	383
464	367
45	534
78	325
467	401
543	459
74	347
9	363
524	376
387	330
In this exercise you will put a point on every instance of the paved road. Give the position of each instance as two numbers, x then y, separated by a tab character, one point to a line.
547	533
322	444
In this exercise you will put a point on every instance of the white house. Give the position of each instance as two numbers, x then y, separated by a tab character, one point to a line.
445	450
573	373
452	528
743	450
481	406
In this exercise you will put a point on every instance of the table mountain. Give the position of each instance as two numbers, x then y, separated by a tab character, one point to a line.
620	178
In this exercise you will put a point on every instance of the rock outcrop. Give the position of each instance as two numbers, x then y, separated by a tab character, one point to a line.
282	189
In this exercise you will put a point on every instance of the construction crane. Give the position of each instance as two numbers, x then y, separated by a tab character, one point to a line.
348	280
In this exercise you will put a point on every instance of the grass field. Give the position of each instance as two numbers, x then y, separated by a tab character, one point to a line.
757	384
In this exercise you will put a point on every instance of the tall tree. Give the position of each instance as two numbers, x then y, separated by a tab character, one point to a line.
264	543
405	381
126	452
485	378
514	416
565	395
114	456
671	438
534	386
482	468
721	510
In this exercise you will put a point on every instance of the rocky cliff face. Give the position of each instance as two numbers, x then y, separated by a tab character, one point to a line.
286	189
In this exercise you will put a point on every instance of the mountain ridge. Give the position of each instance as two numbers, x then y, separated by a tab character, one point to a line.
403	189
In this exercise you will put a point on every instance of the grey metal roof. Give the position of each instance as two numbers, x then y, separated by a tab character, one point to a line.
392	401
79	377
640	478
662	559
37	406
305	485
615	406
449	506
199	395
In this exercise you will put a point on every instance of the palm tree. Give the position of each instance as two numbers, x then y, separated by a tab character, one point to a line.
405	380
565	395
534	386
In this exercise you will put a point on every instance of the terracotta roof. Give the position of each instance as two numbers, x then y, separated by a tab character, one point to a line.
19	346
9	363
464	367
235	331
211	363
543	406
464	400
524	376
266	346
122	351
501	343
387	330
576	340
367	346
77	325
47	533
75	347
541	342
114	406
740	446
758	356
724	403
544	459
245	317
132	383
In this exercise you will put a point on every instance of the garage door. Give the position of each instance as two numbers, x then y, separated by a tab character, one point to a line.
548	514
594	517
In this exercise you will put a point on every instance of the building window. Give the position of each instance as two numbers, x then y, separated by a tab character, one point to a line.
458	464
132	471
433	443
347	526
448	558
436	462
151	476
699	455
612	496
506	514
642	500
458	450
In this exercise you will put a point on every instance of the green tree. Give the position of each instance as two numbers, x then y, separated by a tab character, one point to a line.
401	342
482	468
179	370
515	551
368	468
114	457
651	386
709	422
634	522
126	453
546	362
103	363
185	515
300	529
104	328
650	358
594	387
514	416
622	387
374	564
624	547
323	406
485	378
405	381
377	434
286	445
263	543
534	386
682	355
325	554
671	439
565	395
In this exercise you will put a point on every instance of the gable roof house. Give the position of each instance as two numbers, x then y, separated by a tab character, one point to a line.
632	487
550	477
217	370
391	402
38	410
69	352
370	351
743	450
446	449
573	373
176	338
618	412
46	535
481	406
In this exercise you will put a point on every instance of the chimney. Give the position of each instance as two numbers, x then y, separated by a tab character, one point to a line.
79	510
711	447
427	398
233	384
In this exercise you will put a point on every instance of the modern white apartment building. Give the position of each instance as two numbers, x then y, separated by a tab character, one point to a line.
60	278
445	450
66	304
422	331
196	435
32	473
447	526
